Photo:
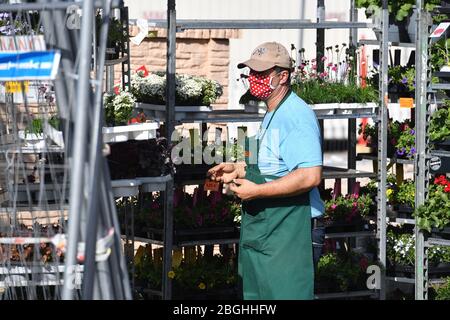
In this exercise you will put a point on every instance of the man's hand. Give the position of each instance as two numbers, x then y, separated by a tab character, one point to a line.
245	189
226	172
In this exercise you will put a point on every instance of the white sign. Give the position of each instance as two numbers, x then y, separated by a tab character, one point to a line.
441	28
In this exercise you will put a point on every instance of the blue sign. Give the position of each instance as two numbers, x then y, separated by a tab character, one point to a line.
33	65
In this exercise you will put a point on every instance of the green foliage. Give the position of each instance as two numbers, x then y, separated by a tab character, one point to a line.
37	125
435	212
118	108
400	250
401	9
439	129
316	91
342	272
405	193
443	291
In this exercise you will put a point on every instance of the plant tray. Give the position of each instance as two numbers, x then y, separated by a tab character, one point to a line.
198	234
140	131
343	108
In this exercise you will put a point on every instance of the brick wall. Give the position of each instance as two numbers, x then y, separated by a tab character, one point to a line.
198	52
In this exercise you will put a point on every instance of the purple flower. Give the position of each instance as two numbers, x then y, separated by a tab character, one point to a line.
404	80
401	152
413	150
412	132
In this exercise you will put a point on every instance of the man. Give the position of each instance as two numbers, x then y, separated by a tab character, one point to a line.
279	191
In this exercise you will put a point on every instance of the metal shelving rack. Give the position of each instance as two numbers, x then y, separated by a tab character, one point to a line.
380	116
90	217
424	93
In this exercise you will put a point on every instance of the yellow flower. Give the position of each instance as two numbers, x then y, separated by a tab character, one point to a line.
202	286
389	192
171	274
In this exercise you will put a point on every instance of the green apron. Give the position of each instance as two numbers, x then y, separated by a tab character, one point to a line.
275	248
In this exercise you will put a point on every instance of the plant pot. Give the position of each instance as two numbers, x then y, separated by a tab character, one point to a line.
342	226
33	140
402	31
404	211
442	145
139	131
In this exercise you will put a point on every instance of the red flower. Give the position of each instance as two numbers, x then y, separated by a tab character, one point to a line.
363	263
447	188
441	180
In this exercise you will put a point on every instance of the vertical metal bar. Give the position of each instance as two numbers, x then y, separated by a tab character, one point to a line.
126	72
320	41
170	126
351	156
94	160
168	240
76	210
382	147
171	68
421	174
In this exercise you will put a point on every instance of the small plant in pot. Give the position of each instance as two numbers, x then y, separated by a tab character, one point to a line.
439	129
401	22
116	36
435	212
405	198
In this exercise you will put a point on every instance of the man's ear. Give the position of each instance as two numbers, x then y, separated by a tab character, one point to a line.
285	77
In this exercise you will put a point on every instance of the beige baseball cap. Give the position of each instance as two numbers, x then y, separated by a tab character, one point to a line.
266	56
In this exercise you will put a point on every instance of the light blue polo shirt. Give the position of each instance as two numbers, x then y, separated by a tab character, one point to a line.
292	141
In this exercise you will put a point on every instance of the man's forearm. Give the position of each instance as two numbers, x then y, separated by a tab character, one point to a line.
294	183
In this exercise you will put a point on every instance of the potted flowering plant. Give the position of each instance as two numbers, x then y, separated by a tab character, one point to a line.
347	213
404	198
439	129
400	251
336	85
434	213
340	272
406	144
401	23
121	125
190	90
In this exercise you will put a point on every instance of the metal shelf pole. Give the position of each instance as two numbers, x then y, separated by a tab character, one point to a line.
420	166
382	148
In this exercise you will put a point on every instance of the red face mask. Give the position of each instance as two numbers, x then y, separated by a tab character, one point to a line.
260	86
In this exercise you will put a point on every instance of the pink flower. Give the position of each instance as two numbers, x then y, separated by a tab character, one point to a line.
333	206
329	65
323	58
314	67
334	68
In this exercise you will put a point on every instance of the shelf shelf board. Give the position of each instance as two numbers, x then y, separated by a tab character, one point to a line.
342	173
362	156
356	234
405	221
401	279
440	153
392	43
437	242
349	294
116	61
258	24
186	243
